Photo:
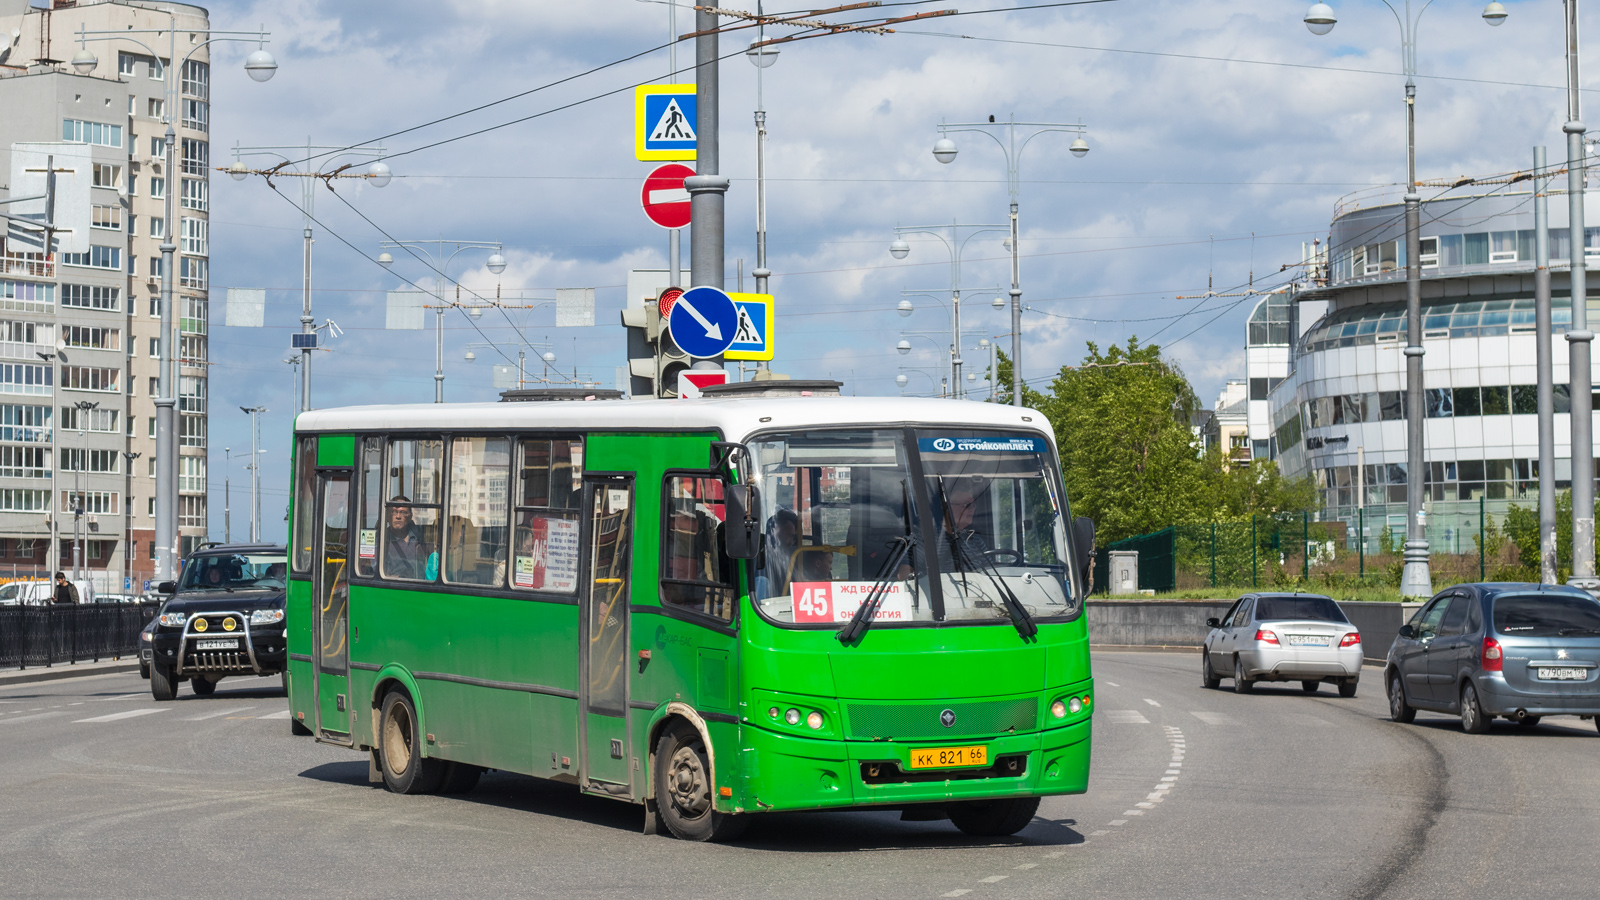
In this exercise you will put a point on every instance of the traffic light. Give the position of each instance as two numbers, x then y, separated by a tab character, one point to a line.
654	361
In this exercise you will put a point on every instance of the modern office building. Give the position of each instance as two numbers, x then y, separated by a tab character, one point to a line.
1339	414
99	311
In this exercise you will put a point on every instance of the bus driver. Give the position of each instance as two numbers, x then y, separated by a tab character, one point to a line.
406	554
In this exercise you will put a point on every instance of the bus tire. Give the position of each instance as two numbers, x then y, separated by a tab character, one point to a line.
405	769
683	789
163	681
460	778
994	818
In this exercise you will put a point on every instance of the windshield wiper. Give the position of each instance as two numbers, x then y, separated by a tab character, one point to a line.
868	609
1019	614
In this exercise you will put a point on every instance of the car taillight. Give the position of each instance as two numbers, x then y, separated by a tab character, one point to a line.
1492	657
1351	639
1265	636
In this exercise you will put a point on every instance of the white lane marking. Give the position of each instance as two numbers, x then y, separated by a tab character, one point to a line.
1110	684
1172	772
1126	717
43	715
1028	866
1055	853
117	697
128	714
79	703
1211	718
992	879
221	712
1172	777
281	714
1144	805
1120	822
1098	833
957	892
1151	702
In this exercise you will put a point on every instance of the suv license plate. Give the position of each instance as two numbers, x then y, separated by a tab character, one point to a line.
1562	674
216	645
949	757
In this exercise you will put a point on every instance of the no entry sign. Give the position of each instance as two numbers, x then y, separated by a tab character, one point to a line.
664	198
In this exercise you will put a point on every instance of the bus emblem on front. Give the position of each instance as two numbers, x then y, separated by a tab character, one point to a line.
947	718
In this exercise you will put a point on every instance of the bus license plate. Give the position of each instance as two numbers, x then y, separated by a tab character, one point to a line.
1562	674
216	645
949	757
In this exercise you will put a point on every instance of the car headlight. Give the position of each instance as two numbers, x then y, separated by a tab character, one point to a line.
174	620
144	636
266	616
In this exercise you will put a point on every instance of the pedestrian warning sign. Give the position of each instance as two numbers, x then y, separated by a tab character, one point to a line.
664	122
752	332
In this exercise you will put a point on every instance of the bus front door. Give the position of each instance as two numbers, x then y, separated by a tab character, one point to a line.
331	669
603	660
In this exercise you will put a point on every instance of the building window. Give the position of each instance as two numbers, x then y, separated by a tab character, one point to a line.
77	459
107	175
191	393
156	268
91	133
155	391
192	318
192	474
91	502
196	232
158	227
192	512
133	229
88	296
27	296
107	217
196	114
19	378
16	500
21	338
192	272
90	378
158	148
192	350
25	424
24	462
158	187
155	348
155	108
196	194
126	63
98	257
1428	252
97	420
91	337
197	79
192	432
196	157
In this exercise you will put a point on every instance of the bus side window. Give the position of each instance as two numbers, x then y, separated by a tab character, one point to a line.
371	506
476	534
548	495
411	510
695	574
305	476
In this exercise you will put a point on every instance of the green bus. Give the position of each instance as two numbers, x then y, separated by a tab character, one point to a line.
714	608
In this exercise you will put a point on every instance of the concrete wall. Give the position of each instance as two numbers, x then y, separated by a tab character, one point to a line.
1181	624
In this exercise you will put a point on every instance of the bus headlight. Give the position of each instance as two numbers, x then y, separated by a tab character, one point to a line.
814	719
792	716
266	616
1074	705
1059	709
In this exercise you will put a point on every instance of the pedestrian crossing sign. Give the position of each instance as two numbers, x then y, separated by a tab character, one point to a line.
664	122
752	336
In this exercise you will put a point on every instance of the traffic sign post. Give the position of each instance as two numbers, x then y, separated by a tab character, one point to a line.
664	122
752	333
664	198
703	322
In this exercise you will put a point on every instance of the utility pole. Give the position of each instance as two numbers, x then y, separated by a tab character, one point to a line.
254	412
227	496
1544	355
707	186
1579	336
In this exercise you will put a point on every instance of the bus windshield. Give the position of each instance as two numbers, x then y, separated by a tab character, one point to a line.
941	524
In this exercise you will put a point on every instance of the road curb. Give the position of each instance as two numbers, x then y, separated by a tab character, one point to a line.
56	673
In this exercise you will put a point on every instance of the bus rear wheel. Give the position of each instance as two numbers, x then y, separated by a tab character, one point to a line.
994	818
405	769
683	789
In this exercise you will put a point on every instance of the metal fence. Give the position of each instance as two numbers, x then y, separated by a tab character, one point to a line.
50	635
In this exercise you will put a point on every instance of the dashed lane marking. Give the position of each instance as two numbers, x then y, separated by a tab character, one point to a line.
1126	717
957	892
1211	718
221	712
43	715
1098	833
113	717
1110	684
280	714
118	697
1151	702
1028	866
992	879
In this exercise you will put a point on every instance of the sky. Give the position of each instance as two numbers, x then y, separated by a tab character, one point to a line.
1221	137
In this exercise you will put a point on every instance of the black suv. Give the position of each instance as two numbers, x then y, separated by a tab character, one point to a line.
224	617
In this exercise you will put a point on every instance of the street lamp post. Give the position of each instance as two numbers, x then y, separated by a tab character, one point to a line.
761	56
900	249
83	407
906	308
127	520
254	412
54	557
260	66
439	263
944	150
1415	578
1579	336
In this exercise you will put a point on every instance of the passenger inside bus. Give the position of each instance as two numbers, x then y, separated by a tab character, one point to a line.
783	536
407	551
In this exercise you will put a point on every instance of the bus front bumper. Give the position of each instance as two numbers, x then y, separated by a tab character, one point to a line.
780	772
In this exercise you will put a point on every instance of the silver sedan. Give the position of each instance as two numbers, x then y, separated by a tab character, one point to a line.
1283	637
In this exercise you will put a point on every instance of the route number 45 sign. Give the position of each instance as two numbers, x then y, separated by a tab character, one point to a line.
837	601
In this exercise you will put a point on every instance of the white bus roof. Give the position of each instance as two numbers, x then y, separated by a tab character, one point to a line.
734	418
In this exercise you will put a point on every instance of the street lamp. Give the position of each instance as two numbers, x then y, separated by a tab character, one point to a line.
955	245
1415	579
436	260
762	55
944	150
254	412
905	308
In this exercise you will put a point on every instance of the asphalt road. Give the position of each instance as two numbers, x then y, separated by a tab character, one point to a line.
1193	793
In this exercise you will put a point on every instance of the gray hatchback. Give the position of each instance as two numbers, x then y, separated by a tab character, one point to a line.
1520	651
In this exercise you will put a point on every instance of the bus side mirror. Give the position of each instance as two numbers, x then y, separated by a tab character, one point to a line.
741	533
1083	540
167	587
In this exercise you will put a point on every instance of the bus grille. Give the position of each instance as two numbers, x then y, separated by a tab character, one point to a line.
921	721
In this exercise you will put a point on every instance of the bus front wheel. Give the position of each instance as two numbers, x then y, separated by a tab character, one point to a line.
994	818
405	769
683	789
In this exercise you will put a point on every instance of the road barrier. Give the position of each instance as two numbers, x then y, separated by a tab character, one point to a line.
48	635
1181	624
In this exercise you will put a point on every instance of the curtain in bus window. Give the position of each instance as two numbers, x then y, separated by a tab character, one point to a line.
412	509
611	537
334	585
548	500
475	550
371	506
305	475
695	574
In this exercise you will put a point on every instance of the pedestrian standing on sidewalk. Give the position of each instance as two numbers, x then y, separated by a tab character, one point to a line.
66	591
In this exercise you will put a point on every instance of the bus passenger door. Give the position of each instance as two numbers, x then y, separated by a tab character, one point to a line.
331	581
604	763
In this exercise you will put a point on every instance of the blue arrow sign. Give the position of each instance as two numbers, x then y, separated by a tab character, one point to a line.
703	322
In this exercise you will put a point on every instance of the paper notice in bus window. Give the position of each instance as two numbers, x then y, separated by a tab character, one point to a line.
548	557
367	543
837	601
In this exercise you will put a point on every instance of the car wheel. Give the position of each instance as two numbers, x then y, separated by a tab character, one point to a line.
1208	674
1310	687
994	818
683	789
405	769
1348	688
203	686
1399	709
1473	721
1529	722
163	682
1241	684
